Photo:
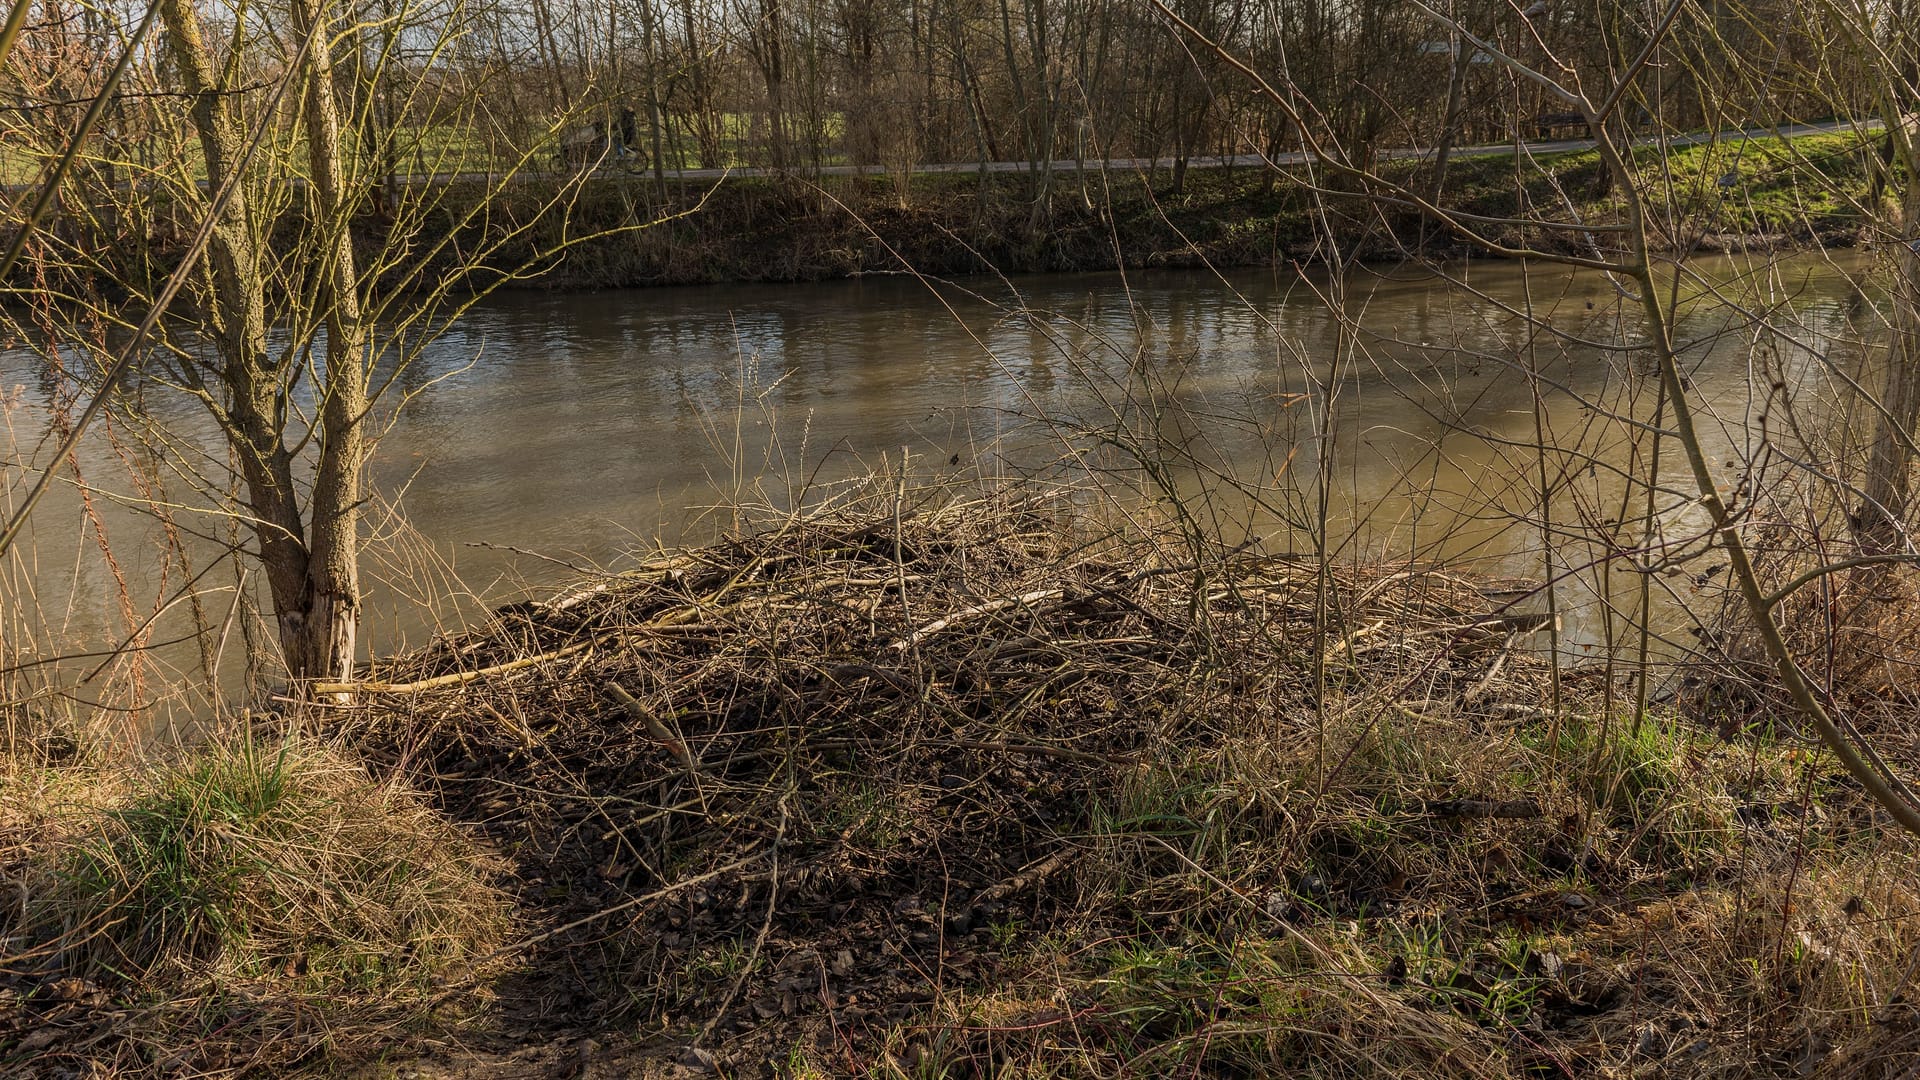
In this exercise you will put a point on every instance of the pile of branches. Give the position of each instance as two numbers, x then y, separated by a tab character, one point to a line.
801	775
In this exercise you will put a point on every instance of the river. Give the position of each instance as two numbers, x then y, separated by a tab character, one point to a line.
579	429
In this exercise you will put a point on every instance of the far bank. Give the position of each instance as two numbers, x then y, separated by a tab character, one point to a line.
1771	193
621	227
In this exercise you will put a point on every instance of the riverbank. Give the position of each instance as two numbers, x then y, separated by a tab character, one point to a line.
1764	194
948	783
619	228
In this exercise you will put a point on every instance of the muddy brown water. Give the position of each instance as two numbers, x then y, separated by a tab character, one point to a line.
548	430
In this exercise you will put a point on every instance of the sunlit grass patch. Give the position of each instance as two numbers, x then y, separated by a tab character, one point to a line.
270	900
268	861
1763	184
1438	892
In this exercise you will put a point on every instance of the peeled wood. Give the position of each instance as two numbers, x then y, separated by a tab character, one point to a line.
327	689
987	608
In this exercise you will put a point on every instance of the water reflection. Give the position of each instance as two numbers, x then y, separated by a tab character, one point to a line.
585	426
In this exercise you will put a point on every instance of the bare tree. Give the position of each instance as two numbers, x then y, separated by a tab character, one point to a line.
296	332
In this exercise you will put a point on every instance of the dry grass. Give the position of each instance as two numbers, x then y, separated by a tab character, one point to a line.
936	785
1661	904
961	788
247	906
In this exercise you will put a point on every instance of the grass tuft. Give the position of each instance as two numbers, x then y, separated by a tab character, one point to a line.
252	900
265	860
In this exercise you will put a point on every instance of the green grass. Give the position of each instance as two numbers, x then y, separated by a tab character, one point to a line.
1760	185
1365	936
865	815
279	862
1765	185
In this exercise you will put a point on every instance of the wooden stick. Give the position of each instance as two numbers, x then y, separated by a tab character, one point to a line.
990	606
1034	873
625	905
1506	809
676	617
458	678
1063	753
656	729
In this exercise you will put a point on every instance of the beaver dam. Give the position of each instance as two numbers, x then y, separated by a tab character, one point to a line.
970	787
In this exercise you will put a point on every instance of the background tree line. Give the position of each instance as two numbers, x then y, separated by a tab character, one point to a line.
798	84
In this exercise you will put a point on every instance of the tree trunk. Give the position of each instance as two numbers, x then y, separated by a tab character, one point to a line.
1880	522
706	127
1450	118
321	644
314	586
773	70
654	112
1882	517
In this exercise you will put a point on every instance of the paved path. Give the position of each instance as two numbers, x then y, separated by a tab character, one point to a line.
1549	146
1555	146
